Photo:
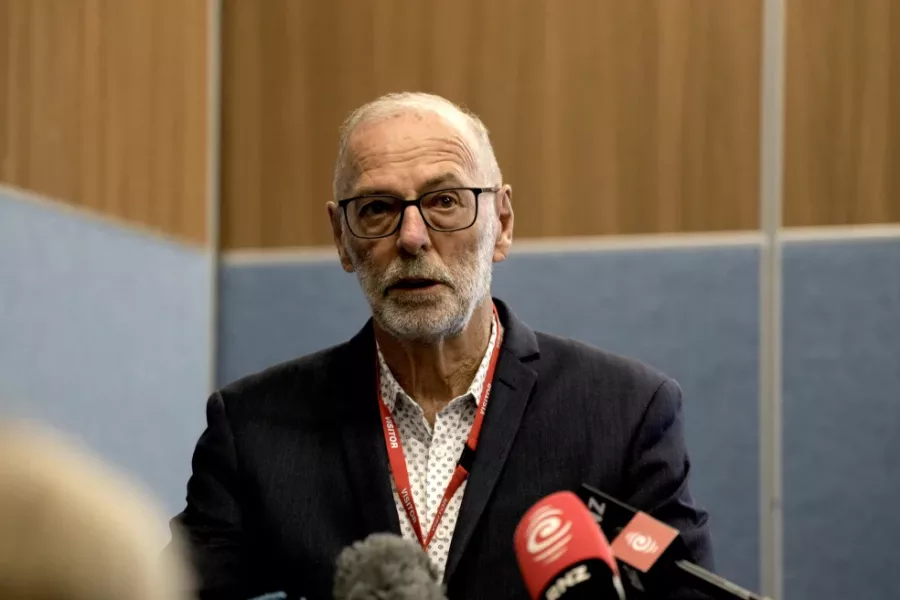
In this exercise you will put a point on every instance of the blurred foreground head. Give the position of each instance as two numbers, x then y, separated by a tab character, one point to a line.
71	529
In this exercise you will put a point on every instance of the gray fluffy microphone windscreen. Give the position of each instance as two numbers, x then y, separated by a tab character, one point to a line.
385	567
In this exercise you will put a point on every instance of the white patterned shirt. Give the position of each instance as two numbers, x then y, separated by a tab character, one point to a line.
431	456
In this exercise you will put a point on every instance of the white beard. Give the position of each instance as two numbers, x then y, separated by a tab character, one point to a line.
427	318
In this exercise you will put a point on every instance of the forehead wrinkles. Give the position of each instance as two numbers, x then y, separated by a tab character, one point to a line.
370	163
369	152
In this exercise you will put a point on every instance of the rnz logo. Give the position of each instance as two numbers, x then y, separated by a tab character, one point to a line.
570	579
641	543
548	535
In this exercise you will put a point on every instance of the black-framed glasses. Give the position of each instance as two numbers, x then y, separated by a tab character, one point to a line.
453	209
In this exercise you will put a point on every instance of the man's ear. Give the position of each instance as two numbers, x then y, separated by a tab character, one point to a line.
504	213
336	216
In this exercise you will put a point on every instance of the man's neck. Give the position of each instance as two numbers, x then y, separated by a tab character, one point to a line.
434	374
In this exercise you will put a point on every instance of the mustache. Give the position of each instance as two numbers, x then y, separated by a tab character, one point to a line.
414	269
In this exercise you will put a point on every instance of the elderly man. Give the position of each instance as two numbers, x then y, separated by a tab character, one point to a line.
443	395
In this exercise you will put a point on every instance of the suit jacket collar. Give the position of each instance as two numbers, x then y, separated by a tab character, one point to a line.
356	403
364	439
518	338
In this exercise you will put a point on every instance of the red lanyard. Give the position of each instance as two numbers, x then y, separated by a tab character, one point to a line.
398	459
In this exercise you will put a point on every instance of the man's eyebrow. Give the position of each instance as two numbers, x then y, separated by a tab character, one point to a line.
448	178
366	191
444	179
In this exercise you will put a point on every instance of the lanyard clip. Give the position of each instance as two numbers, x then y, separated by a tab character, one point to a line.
467	458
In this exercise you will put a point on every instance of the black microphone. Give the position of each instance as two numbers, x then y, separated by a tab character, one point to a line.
385	567
651	553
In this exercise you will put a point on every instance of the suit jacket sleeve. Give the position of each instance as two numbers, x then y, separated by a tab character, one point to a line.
211	524
658	476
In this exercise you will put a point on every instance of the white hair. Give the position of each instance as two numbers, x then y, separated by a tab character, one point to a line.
389	105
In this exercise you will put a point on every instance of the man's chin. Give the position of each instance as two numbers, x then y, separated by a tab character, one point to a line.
420	333
421	319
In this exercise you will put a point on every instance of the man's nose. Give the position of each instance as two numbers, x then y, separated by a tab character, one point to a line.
413	236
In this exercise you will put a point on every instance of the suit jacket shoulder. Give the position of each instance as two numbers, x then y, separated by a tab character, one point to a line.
569	358
610	393
304	386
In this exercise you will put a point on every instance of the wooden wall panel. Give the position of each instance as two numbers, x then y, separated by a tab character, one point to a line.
842	114
103	104
607	116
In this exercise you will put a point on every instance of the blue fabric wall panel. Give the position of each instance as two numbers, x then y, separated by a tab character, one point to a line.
841	419
269	313
104	334
692	313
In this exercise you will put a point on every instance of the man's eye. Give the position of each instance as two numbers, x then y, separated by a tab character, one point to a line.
375	208
446	201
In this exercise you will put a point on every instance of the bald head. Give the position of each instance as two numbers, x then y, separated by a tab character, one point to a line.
471	130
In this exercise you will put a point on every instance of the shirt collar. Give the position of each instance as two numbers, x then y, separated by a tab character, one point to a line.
391	389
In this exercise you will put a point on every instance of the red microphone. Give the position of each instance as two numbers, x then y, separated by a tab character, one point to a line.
563	554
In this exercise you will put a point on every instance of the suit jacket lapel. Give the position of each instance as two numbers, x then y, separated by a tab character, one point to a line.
514	382
363	438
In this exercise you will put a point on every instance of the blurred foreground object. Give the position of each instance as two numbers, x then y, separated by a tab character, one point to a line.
73	529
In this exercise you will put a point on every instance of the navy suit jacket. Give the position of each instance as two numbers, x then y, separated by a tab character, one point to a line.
292	467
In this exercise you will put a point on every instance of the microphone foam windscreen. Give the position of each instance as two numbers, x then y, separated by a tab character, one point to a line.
385	567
